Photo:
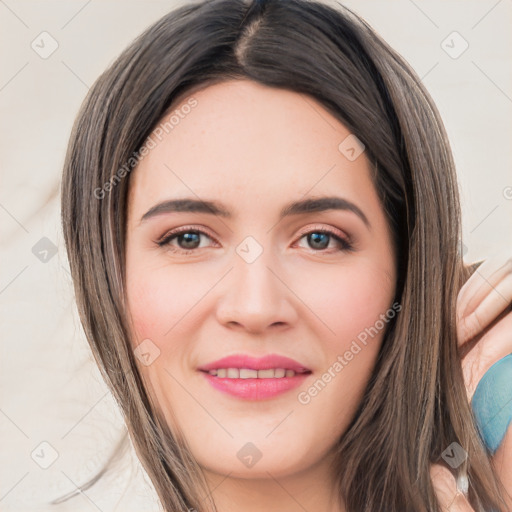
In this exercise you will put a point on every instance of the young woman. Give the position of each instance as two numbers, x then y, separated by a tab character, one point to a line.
261	215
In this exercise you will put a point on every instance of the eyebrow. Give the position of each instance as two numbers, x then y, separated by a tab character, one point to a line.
303	206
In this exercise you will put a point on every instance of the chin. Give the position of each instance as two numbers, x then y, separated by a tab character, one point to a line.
256	459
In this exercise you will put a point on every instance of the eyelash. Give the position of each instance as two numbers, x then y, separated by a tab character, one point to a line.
345	243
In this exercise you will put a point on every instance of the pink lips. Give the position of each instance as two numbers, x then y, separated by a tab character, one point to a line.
255	363
254	388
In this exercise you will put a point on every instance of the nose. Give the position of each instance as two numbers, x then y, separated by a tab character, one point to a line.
256	296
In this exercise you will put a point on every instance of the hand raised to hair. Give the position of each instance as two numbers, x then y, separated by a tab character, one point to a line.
484	315
484	332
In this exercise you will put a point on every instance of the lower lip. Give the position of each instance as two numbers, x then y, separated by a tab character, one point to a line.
256	389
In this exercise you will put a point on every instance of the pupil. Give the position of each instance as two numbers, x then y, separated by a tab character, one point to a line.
316	238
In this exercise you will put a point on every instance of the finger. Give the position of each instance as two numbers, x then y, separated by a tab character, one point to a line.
494	276
493	346
475	281
488	274
500	278
497	300
450	498
472	284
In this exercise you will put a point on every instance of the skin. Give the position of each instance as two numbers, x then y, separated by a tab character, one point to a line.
260	136
255	149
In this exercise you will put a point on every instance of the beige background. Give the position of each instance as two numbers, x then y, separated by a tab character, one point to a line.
51	392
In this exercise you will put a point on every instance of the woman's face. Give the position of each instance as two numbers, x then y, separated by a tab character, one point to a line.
263	274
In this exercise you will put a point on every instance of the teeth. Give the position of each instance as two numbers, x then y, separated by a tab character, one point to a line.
246	373
266	374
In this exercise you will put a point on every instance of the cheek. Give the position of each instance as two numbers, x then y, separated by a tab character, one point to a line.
159	299
347	299
354	303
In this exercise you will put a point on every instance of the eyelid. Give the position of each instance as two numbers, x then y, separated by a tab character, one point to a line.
327	229
185	229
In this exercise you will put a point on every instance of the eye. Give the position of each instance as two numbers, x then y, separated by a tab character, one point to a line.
188	240
319	239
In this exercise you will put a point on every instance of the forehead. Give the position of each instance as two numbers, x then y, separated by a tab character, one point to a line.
240	137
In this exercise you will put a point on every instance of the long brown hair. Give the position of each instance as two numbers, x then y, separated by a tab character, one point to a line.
415	404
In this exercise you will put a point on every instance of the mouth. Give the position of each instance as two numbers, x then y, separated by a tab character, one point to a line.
249	378
249	373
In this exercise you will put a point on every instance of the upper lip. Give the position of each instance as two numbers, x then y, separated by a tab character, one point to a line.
256	363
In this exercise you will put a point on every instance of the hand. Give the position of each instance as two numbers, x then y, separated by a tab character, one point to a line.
484	332
484	319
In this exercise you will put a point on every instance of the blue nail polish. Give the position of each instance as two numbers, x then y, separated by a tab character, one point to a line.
492	403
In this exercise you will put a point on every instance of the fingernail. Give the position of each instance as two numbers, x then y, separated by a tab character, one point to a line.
492	403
